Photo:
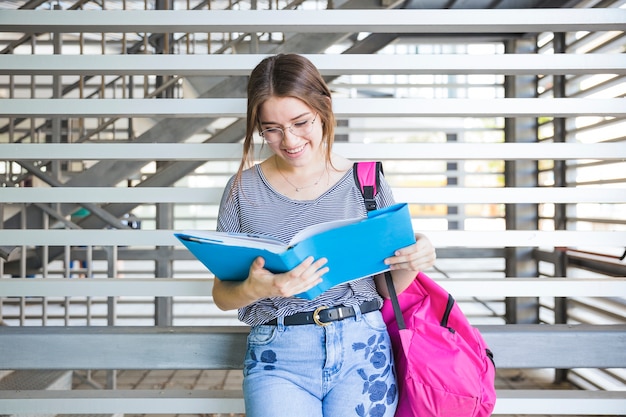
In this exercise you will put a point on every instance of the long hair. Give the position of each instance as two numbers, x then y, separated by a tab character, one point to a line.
286	75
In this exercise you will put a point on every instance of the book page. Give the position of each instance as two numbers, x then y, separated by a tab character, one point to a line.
236	239
321	227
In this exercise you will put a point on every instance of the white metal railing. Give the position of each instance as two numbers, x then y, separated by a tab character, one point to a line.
377	21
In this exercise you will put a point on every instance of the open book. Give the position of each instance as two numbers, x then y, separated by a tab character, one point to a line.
355	248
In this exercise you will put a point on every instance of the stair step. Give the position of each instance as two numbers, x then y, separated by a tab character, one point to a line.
36	380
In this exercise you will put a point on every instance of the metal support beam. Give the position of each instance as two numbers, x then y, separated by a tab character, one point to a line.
519	260
560	180
163	306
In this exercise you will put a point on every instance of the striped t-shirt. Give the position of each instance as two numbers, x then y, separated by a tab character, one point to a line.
256	208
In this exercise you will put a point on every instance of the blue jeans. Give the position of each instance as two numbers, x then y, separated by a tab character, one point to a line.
343	369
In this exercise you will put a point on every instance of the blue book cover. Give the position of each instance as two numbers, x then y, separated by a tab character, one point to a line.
355	248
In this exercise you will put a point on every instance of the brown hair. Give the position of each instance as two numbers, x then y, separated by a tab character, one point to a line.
287	75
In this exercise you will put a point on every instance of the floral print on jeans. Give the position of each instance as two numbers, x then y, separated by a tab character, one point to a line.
381	395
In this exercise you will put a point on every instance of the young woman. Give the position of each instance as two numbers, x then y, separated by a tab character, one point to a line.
329	356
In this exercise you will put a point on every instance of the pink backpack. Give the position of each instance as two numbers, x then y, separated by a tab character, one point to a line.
443	365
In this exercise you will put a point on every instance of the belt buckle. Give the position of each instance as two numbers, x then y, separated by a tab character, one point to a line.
316	316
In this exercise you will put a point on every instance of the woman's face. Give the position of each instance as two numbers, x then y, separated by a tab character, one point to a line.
289	112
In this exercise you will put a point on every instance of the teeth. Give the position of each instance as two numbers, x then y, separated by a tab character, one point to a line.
296	150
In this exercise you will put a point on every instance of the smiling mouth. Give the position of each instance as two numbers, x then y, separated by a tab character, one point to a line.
295	150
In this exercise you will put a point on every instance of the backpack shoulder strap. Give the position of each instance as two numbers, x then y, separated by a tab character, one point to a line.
367	178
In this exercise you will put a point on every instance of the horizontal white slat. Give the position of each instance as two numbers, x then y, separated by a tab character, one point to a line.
149	347
241	64
471	239
529	402
318	21
418	195
111	195
90	402
131	151
360	151
535	287
343	107
452	195
194	287
560	402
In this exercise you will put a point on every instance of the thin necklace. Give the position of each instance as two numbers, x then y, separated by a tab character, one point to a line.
292	184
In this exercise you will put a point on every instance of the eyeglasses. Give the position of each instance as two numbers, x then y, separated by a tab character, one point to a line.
276	134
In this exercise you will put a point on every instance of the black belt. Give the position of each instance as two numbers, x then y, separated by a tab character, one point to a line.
322	316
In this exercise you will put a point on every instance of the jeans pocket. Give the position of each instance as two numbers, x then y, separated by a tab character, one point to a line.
375	321
261	335
259	355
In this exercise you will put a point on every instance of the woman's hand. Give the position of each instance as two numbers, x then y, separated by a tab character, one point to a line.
407	263
416	257
261	283
303	277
